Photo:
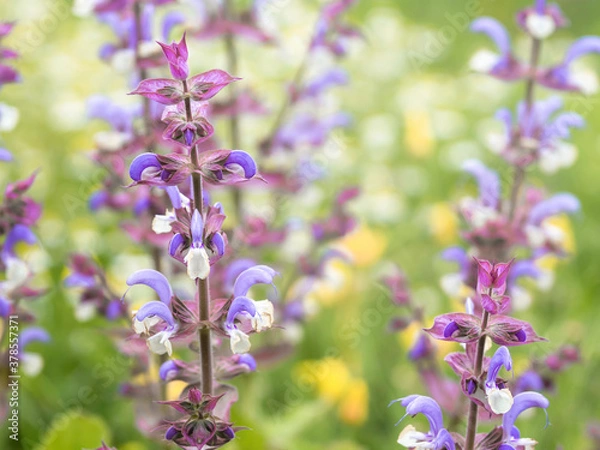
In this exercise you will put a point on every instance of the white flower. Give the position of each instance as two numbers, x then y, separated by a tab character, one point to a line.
162	222
540	26
85	311
9	117
160	344
585	80
144	326
84	8
263	319
451	284
31	363
123	61
483	61
17	272
111	140
198	264
148	48
562	156
239	341
500	400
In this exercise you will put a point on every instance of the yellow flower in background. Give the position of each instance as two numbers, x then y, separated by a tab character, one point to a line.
563	223
354	406
335	384
335	283
175	388
443	223
418	134
364	245
547	262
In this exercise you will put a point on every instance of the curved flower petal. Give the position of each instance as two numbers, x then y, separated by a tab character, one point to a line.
500	358
488	181
32	334
239	305
156	309
154	280
557	204
522	402
244	160
168	370
581	47
250	277
495	30
141	163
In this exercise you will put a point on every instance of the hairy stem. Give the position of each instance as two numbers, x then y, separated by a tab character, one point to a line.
202	286
473	407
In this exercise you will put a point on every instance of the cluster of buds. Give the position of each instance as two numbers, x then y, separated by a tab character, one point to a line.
526	222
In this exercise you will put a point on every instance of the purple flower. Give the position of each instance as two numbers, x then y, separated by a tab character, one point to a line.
438	438
557	204
488	181
541	20
456	327
563	78
155	280
261	312
177	55
196	259
150	315
182	131
522	402
498	395
504	330
503	66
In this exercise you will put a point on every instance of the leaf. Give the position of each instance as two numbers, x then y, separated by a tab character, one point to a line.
75	430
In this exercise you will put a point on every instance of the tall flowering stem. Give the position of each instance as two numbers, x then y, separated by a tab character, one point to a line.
202	285
495	228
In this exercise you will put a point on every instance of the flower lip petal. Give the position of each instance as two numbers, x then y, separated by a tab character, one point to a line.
155	280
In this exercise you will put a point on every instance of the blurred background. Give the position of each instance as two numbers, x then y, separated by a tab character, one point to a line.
417	114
